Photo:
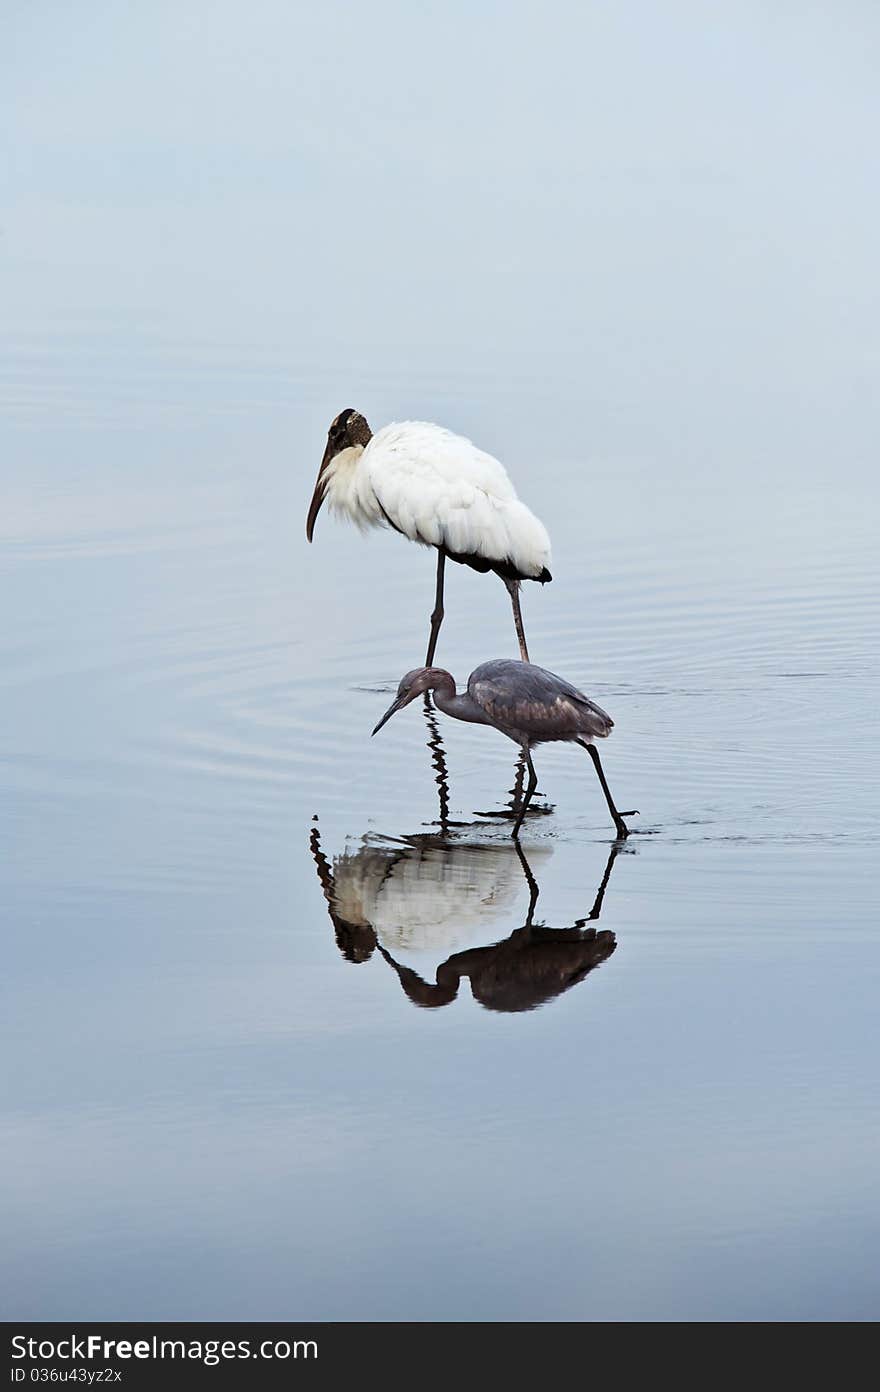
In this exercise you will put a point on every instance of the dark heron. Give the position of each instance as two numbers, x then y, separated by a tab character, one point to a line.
528	704
437	489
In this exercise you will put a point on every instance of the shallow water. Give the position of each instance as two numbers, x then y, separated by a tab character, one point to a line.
289	1028
239	1086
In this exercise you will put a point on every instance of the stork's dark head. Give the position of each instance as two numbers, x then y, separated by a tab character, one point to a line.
347	430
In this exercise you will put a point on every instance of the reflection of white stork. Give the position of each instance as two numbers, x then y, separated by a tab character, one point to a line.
438	489
437	897
421	894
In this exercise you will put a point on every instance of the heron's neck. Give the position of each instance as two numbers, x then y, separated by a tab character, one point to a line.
462	707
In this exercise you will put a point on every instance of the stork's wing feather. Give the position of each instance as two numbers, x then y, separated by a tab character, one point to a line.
524	697
439	489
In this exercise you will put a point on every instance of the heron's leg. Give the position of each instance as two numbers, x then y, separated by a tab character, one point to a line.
437	616
533	783
620	824
513	591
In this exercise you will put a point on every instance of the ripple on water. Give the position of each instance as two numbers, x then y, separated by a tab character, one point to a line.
744	712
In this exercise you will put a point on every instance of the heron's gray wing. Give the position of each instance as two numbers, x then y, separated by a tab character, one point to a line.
521	696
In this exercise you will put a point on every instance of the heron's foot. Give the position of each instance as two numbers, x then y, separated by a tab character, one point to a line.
509	814
620	824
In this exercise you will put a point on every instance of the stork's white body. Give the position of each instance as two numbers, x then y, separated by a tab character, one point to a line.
438	489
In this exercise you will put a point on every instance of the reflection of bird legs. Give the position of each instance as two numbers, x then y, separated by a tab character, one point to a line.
534	891
600	892
438	759
513	808
519	779
533	783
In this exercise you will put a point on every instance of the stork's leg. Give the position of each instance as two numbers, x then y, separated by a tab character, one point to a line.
533	783
620	824
437	616
513	591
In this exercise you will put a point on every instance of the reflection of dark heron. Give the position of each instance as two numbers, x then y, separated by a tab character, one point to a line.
420	878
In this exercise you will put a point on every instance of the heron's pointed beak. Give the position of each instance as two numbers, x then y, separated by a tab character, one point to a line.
318	495
397	704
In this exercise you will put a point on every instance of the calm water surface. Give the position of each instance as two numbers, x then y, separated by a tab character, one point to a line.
288	1029
288	1033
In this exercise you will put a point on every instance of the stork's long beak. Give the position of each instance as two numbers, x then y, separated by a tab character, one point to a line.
397	704
318	495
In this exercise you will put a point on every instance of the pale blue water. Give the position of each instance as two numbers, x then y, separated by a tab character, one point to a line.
209	1109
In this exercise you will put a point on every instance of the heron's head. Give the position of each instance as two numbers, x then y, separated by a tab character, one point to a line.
412	685
348	431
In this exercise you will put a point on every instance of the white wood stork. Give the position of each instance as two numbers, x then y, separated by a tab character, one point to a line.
438	489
